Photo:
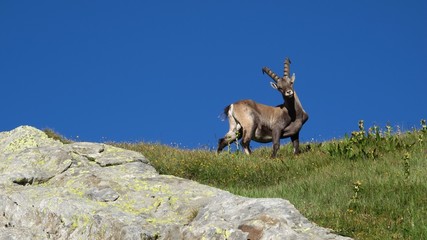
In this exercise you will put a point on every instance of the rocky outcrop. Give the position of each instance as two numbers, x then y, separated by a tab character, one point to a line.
49	190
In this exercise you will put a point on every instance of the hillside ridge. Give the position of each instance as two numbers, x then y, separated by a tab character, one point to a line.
97	191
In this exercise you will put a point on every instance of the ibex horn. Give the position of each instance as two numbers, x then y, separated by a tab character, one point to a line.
270	73
286	72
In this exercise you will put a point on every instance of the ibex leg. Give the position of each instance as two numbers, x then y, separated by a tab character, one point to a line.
295	143
292	129
234	133
225	141
246	139
276	143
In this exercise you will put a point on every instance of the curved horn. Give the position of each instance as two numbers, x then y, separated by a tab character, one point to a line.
270	73
287	71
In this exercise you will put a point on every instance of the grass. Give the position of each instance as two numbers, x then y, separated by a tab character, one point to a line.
370	185
54	135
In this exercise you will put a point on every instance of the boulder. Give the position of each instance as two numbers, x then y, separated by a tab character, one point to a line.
50	190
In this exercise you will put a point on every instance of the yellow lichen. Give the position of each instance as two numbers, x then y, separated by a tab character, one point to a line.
32	138
226	233
80	220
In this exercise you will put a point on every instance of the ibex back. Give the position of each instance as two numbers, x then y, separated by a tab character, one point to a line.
250	120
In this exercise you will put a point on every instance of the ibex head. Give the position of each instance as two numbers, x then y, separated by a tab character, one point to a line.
284	85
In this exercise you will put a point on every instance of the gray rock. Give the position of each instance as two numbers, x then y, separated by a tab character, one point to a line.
104	195
97	191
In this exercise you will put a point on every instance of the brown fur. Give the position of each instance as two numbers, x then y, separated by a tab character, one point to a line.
250	120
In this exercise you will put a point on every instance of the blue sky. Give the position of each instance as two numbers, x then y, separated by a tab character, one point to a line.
162	71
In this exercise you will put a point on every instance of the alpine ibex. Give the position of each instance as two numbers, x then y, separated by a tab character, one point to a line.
250	120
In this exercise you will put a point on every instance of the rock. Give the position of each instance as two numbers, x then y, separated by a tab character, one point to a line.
97	191
28	156
103	195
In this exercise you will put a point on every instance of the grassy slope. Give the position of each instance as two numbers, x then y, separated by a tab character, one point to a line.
367	186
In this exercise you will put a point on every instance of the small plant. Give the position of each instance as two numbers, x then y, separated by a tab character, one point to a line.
388	131
236	142
406	166
361	126
374	132
193	214
423	125
357	186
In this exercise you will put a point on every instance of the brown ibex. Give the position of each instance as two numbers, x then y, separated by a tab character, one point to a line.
250	120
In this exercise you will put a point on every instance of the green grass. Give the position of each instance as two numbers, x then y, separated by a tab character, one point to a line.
54	135
370	185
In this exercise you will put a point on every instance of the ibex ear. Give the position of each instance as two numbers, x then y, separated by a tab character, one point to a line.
273	85
293	78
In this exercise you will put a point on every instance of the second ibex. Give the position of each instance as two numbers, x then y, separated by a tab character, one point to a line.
250	120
